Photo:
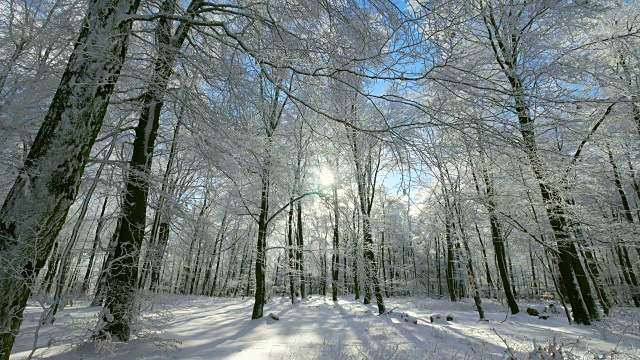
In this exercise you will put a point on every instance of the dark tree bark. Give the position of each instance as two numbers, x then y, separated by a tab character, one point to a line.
383	264
271	121
161	221
498	243
86	282
618	183
486	261
262	234
473	283
355	271
534	279
101	284
451	270
439	270
594	273
120	297
210	289
37	204
628	273
300	250
54	260
291	254
335	261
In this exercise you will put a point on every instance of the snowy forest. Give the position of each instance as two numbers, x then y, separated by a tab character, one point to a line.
290	179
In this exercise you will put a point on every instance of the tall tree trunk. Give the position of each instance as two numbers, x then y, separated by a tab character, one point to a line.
271	121
623	196
498	243
355	271
35	208
439	271
101	284
335	261
472	280
534	280
384	267
472	276
198	237
594	274
161	221
158	253
583	283
217	253
54	260
300	250
86	282
120	297
450	260
628	273
262	241
365	197
486	261
247	258
291	254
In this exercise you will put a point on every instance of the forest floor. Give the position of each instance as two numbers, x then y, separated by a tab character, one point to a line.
189	327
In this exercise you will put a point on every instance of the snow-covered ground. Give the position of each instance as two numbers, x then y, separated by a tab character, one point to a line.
179	327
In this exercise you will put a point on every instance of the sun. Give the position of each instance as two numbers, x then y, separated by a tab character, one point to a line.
325	178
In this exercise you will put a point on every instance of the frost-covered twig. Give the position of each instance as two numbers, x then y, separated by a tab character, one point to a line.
512	356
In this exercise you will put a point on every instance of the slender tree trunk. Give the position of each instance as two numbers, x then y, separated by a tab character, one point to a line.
159	235
365	194
355	271
101	284
262	244
11	62
384	267
486	261
291	255
450	260
271	121
438	261
512	276
472	277
75	232
245	268
472	280
300	250
196	269
54	260
594	274
217	256
498	245
198	234
497	239
209	290
534	284
335	261
623	196
96	242
629	275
